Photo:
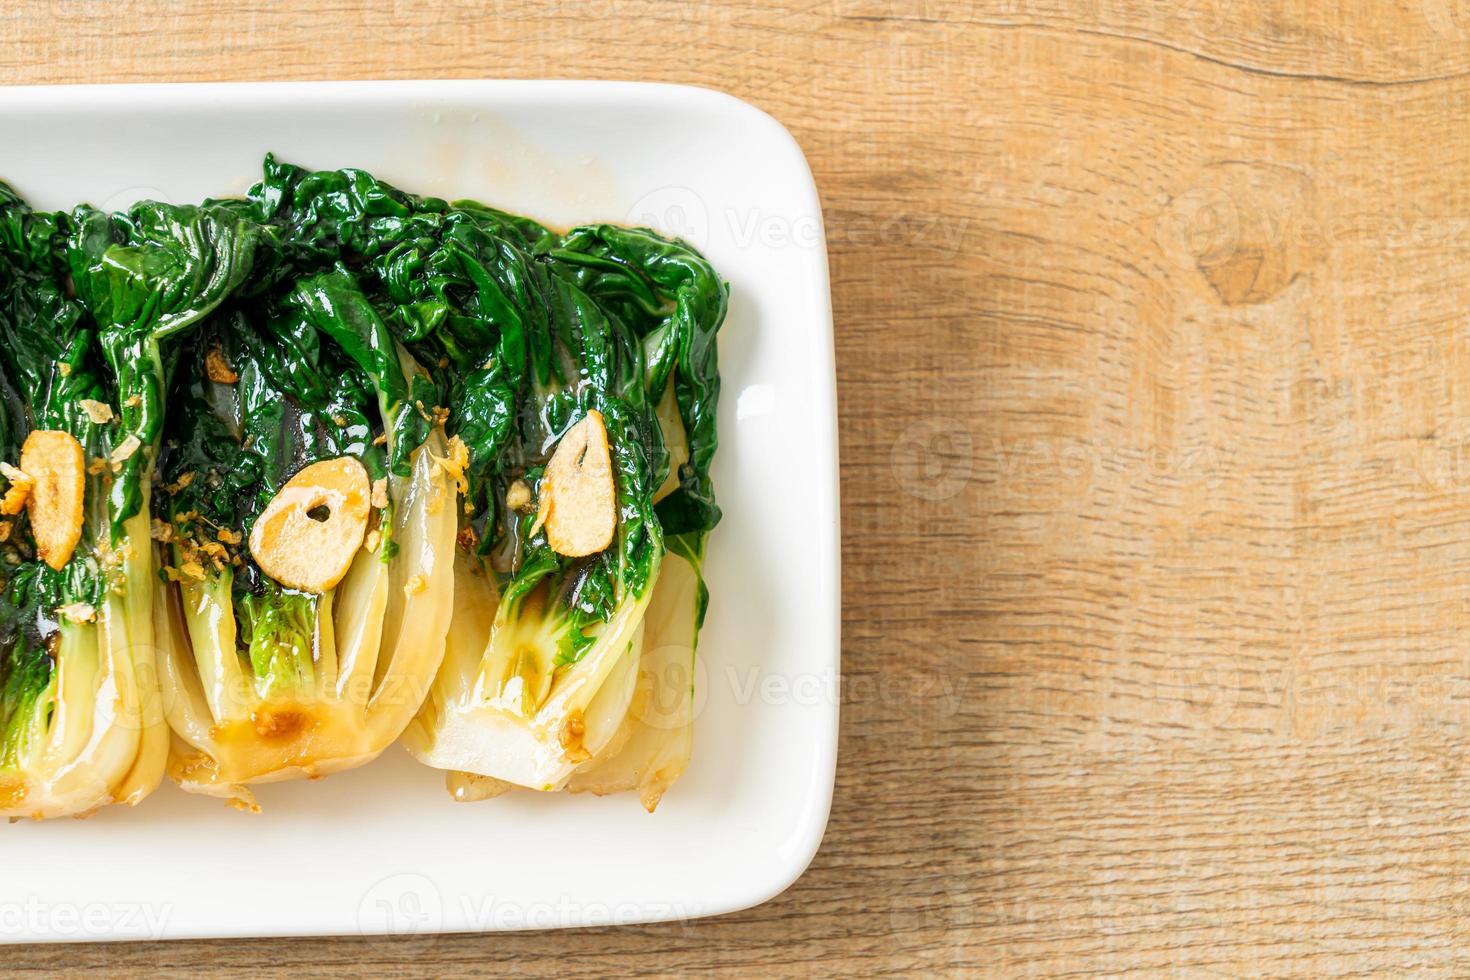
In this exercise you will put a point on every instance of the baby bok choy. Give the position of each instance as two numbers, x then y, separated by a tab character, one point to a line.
80	718
675	304
310	519
588	414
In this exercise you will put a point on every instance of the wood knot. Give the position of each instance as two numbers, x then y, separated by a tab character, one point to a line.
1249	228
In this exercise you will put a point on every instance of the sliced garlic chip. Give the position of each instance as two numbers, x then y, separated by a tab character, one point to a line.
578	501
308	534
54	464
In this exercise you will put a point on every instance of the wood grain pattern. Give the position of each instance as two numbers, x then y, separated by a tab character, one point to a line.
1155	408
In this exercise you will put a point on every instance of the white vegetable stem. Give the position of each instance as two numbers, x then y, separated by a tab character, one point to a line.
378	643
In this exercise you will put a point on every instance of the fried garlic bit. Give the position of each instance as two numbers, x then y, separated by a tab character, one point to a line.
79	612
98	412
517	496
307	535
54	463
573	730
578	503
455	462
124	450
217	369
14	500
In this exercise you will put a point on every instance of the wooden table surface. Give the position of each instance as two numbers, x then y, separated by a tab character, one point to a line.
1155	417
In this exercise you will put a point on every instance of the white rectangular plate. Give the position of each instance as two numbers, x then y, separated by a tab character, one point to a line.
383	850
